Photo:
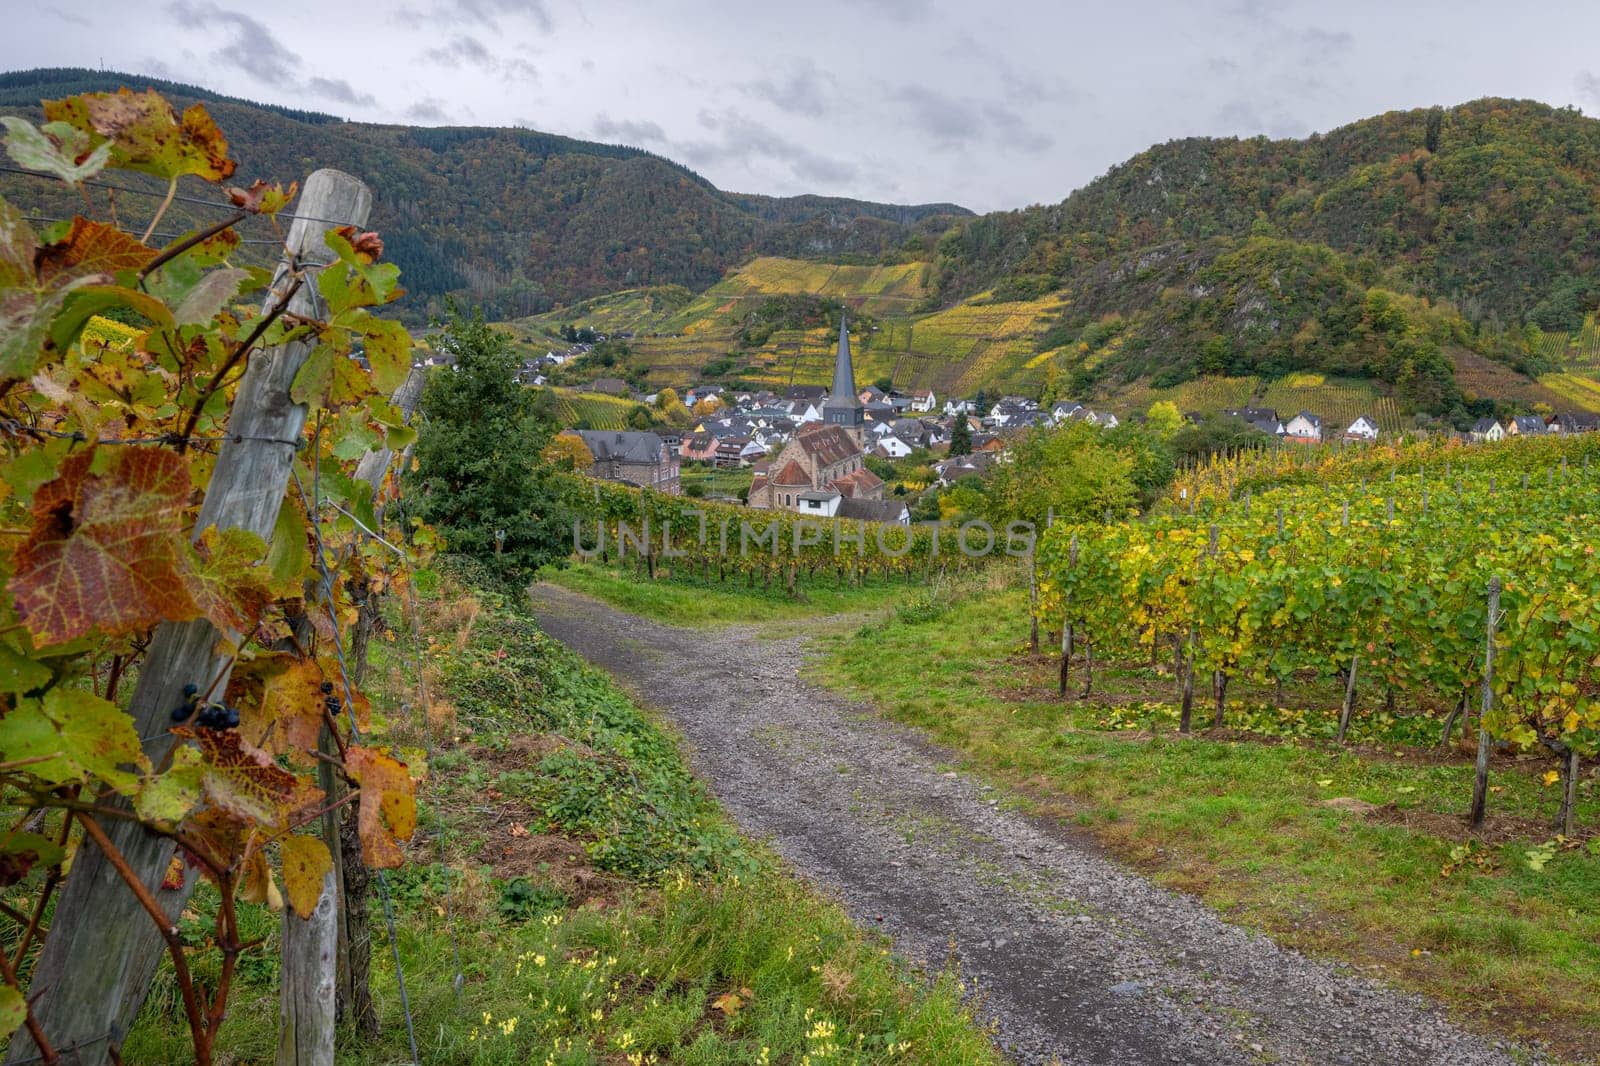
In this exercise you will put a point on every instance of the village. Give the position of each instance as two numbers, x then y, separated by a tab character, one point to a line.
800	458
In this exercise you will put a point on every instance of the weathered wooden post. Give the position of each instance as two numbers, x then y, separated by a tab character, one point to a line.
307	997
1349	699
1480	776
97	963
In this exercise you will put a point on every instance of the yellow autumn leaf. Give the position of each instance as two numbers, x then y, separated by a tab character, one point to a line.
306	863
1551	777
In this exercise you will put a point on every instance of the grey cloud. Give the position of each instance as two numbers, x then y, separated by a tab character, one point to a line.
952	121
430	109
461	50
70	16
805	90
251	45
742	138
483	12
520	70
340	90
627	131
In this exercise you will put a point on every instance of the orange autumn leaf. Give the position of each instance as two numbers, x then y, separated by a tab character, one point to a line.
90	248
280	704
388	810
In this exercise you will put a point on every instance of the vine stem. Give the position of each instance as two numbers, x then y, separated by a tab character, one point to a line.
172	190
237	354
198	1028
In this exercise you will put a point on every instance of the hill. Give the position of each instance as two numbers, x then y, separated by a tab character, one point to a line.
1441	260
511	218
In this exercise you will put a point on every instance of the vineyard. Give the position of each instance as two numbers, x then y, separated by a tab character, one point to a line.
593	410
1435	583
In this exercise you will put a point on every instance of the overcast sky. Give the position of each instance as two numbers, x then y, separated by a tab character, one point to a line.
989	104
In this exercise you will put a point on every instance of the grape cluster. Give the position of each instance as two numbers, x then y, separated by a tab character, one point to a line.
207	715
334	703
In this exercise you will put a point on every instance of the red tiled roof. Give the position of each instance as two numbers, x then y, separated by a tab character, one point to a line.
856	483
791	474
828	444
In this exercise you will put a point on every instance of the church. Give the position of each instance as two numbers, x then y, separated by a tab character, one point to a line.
822	469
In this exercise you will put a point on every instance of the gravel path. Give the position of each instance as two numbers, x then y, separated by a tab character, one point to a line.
1077	958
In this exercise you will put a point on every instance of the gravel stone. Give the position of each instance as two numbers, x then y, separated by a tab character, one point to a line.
1072	956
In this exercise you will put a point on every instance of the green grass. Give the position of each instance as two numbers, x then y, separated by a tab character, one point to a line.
1242	820
689	601
604	911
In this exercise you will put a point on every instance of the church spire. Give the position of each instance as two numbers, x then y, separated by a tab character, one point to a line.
844	377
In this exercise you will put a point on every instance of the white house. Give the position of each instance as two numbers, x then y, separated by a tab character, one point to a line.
892	447
954	407
1304	427
922	401
1487	429
1363	428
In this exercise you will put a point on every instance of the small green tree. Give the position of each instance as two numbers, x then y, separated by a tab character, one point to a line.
961	437
481	479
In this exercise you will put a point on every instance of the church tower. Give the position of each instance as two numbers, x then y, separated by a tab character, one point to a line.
843	406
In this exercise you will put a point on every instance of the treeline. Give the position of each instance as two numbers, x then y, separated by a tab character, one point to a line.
513	220
1491	205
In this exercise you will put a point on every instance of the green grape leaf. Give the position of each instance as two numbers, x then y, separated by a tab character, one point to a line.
75	734
13	1011
57	148
288	556
387	345
19	674
169	797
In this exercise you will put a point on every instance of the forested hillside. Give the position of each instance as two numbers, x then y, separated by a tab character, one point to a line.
510	218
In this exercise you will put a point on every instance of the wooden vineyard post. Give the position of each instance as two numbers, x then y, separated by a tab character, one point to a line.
1480	776
1066	621
306	1003
96	965
1349	700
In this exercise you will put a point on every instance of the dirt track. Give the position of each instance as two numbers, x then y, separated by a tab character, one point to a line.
1077	958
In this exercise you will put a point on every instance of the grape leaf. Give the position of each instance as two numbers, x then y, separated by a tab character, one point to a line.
258	885
227	580
171	796
280	703
388	808
18	245
261	198
13	1011
102	552
330	378
243	780
306	863
57	148
83	735
202	302
18	673
21	851
147	135
387	346
289	553
90	248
